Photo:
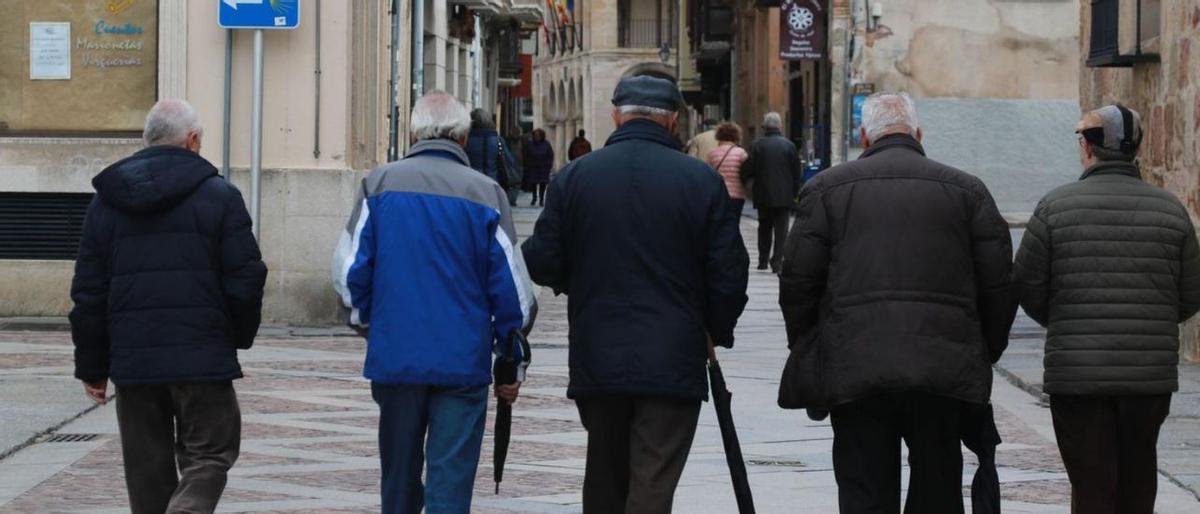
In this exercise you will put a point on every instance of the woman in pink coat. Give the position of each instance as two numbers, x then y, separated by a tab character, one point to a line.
727	159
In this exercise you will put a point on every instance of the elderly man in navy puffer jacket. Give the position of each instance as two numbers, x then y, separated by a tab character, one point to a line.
168	286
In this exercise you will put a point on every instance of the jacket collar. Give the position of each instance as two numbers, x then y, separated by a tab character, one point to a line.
644	130
1127	169
768	132
443	146
891	141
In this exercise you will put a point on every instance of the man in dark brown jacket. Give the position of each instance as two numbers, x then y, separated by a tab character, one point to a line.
1125	273
896	293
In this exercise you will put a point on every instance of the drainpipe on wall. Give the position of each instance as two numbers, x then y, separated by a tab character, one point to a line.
317	78
393	152
418	50
228	103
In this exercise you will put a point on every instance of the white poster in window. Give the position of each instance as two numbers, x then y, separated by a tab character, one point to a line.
49	50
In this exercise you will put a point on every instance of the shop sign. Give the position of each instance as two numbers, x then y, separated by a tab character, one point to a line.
802	30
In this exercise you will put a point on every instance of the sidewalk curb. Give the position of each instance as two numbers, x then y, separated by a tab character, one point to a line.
1043	400
1032	390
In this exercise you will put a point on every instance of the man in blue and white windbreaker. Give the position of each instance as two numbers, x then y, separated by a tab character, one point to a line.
428	268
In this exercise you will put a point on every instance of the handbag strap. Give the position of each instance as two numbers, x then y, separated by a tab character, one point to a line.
727	152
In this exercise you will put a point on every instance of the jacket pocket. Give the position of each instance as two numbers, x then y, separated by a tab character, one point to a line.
802	385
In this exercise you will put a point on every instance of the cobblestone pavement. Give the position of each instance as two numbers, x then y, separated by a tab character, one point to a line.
309	429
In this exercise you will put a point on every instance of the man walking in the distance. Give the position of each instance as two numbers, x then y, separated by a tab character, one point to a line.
1110	265
774	174
642	303
580	147
168	286
896	295
428	267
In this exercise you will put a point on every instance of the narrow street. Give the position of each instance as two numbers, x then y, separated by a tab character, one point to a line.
309	430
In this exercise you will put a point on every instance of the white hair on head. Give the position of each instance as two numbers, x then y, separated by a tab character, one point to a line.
169	123
643	110
889	113
773	120
437	115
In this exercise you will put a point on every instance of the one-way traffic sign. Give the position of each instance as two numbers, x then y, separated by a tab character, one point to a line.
258	14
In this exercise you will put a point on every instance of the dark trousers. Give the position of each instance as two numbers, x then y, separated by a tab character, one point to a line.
1109	446
539	194
178	442
637	447
772	228
866	454
439	429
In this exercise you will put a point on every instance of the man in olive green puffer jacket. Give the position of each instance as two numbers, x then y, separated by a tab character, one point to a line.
1110	265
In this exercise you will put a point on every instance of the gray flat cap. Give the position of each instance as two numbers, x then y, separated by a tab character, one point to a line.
647	91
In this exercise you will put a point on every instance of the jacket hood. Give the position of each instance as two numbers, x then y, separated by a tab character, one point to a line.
154	179
644	130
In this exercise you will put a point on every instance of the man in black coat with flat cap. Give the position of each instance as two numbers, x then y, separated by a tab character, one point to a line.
168	286
639	235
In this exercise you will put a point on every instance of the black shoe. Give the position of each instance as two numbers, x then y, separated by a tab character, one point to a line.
762	267
533	202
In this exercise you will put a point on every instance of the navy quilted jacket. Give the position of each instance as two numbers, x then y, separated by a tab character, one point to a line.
169	279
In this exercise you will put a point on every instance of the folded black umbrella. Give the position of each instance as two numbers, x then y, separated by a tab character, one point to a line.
722	399
505	370
979	435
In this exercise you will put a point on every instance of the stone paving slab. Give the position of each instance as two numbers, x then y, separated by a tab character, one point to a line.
310	433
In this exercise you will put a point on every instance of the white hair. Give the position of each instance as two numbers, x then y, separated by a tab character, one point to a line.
643	110
437	115
170	122
773	120
889	113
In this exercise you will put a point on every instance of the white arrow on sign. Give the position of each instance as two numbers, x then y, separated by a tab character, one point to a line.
234	3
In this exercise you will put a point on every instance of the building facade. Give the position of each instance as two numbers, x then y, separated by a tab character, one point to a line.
584	51
337	92
1153	68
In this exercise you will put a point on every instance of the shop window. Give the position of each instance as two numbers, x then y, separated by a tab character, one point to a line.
71	67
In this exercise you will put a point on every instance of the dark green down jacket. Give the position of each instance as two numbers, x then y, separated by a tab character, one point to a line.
1110	265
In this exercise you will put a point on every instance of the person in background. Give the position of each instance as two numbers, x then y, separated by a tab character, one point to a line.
488	152
580	147
1110	266
701	144
896	295
168	287
775	174
429	270
727	159
539	160
643	303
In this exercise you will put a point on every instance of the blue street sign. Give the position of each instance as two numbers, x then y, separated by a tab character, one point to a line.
258	14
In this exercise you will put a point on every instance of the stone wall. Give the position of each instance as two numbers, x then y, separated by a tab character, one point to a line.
1167	94
971	49
303	215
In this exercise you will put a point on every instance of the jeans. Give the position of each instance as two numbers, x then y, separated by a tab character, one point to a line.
440	428
178	442
1109	445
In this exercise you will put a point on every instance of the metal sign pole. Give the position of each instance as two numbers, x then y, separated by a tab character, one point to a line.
256	110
